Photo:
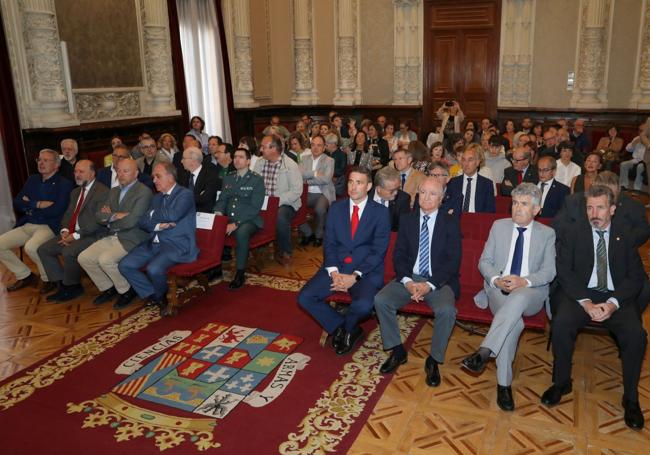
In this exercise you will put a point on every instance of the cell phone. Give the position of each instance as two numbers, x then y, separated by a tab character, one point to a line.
449	103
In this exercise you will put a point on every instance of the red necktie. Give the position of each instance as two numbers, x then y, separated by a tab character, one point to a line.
520	177
73	221
354	222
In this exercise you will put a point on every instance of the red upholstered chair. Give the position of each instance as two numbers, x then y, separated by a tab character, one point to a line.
504	204
210	243
477	226
301	214
267	233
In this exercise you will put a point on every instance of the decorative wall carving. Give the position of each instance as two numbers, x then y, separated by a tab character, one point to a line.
517	33
641	93
592	56
348	75
407	81
304	90
107	105
236	15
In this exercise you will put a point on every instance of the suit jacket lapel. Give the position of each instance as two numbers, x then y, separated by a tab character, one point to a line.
436	237
347	225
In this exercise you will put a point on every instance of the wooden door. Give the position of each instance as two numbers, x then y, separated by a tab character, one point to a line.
461	56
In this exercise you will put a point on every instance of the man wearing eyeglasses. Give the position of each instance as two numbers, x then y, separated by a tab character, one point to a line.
553	192
108	175
387	193
150	156
43	200
520	171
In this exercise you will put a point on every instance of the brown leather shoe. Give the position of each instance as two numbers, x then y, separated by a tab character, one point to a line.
282	258
29	280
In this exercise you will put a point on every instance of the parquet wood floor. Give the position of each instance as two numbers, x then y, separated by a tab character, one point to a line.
459	417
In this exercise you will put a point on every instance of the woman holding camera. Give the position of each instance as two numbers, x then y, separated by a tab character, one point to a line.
451	116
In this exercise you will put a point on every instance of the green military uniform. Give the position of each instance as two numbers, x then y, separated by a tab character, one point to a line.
241	200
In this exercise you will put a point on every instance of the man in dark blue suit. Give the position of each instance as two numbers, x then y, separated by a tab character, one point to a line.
387	193
357	233
171	220
553	192
108	175
426	259
476	191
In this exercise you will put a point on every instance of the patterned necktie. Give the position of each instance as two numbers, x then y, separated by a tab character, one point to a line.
518	256
601	262
354	221
73	220
468	195
423	263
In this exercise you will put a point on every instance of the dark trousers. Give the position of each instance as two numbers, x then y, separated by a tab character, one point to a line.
154	258
70	272
625	323
243	234
283	228
312	299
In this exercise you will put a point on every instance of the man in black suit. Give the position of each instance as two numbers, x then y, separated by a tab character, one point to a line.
201	178
426	259
69	152
550	147
387	193
108	175
520	171
553	192
475	191
600	275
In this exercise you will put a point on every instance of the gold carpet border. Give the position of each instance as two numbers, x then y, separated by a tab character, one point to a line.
334	413
130	422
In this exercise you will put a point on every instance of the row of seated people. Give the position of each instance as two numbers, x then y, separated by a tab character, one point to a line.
589	265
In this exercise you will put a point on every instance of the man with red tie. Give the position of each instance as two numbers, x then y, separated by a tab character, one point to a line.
520	171
357	232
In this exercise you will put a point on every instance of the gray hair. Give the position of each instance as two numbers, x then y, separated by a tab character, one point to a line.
601	190
331	138
54	153
170	168
528	189
71	141
386	174
194	153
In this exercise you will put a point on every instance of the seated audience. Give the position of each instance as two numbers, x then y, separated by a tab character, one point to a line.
201	178
456	153
122	210
550	144
150	156
340	163
79	229
298	147
42	200
482	168
437	155
167	147
592	166
356	240
520	171
391	139
600	275
526	125
420	154
115	141
135	151
449	204
197	125
553	192
426	261
476	191
387	193
69	152
538	129
170	221
435	136
249	143
409	178
108	176
405	135
566	168
610	147
451	116
359	154
509	134
579	137
518	264
378	147
282	178
241	200
277	127
317	172
636	165
495	159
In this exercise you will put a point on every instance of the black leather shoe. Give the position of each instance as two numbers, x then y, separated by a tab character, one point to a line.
215	273
432	373
474	363
633	415
393	362
349	340
105	296
553	394
50	286
66	293
124	299
29	280
337	337
307	240
504	398
238	281
318	242
227	254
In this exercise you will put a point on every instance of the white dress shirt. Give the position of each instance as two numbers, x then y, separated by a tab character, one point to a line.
379	200
545	190
472	196
196	172
431	222
316	188
114	181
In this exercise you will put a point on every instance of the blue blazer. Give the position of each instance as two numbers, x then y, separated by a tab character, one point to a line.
554	199
367	251
56	189
178	242
445	249
484	201
104	176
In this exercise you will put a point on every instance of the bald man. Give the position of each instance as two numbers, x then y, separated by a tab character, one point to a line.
125	204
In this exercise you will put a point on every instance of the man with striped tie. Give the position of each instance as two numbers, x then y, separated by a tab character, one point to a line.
518	263
426	260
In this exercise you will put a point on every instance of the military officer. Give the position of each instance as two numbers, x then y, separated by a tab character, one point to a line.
241	200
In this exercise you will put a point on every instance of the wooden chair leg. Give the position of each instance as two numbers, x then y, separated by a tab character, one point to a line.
172	301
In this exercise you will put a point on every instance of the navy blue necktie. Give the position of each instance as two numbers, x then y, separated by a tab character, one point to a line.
517	257
191	185
468	195
403	180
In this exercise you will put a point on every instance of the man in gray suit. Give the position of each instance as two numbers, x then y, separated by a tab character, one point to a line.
518	263
126	203
79	229
317	171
